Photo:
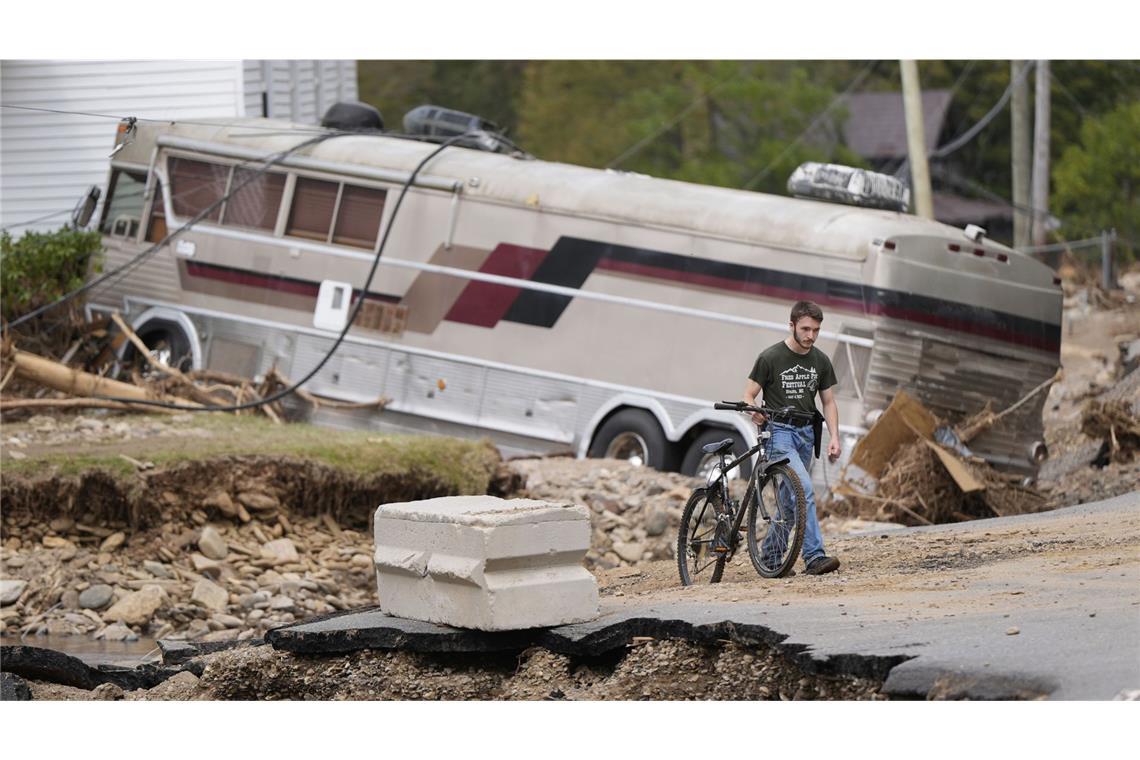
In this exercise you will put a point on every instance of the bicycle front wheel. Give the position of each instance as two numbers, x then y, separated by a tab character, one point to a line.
695	559
776	516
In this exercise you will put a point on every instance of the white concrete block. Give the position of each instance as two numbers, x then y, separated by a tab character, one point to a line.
485	563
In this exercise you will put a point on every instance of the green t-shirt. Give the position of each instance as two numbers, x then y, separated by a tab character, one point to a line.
790	379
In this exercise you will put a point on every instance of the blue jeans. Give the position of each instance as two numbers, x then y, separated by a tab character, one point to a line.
798	445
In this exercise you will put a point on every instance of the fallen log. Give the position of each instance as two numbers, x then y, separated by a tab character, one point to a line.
7	404
74	382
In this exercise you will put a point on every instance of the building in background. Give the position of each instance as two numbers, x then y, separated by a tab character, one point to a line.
49	157
876	129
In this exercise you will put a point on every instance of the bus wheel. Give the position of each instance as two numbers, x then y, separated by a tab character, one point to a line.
167	343
634	436
699	464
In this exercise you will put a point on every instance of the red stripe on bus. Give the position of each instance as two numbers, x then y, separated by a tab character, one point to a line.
483	304
268	282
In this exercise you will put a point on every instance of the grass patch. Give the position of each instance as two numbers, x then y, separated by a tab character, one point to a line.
465	464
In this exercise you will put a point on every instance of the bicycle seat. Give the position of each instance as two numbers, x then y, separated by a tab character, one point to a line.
716	448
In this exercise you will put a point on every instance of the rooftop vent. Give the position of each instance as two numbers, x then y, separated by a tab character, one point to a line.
353	116
438	124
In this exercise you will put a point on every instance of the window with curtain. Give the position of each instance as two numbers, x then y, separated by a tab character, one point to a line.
194	185
256	203
358	220
311	215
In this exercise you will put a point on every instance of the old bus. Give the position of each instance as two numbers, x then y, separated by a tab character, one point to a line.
553	307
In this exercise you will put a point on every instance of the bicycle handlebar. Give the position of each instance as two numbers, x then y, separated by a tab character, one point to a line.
767	411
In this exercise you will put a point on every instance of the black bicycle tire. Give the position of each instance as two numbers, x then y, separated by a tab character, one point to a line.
695	498
798	532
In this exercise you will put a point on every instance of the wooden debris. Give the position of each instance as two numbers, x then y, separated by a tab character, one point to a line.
1115	423
87	386
916	481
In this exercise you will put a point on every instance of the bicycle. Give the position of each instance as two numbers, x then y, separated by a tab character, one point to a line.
773	500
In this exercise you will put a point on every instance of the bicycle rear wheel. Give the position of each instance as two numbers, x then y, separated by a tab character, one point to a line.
776	515
695	559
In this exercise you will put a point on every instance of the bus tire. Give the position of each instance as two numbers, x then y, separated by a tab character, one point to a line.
632	435
168	343
696	460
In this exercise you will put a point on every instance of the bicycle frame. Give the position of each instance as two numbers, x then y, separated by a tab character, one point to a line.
756	481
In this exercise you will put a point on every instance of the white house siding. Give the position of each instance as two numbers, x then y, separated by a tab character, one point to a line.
301	90
47	160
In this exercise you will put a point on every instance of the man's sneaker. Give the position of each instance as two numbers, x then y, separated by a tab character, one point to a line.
822	564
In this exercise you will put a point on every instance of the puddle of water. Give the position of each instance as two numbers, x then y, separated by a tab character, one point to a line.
94	652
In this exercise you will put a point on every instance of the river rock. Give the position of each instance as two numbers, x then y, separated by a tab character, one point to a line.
113	542
107	691
69	599
227	621
630	552
10	591
258	501
282	551
97	597
210	595
212	544
280	602
196	629
250	601
221	501
16	561
117	632
656	523
139	607
62	524
55	542
157	569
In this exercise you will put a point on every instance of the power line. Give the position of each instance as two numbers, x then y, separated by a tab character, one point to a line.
37	220
970	133
278	128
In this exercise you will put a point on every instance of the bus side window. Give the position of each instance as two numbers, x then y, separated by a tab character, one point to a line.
311	215
255	200
357	212
358	218
123	209
195	185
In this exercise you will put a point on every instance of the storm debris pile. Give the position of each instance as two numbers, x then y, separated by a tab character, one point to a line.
1115	423
152	377
920	472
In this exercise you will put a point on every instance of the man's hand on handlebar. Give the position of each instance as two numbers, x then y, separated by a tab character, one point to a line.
759	418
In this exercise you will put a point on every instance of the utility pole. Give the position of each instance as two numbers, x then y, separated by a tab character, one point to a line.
1021	147
1041	155
916	140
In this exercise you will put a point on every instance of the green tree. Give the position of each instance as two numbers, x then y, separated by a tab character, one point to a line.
485	88
730	123
1097	180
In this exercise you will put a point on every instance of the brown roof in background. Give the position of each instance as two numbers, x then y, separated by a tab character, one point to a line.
959	211
876	125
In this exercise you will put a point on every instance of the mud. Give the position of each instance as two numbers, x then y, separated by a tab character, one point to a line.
300	486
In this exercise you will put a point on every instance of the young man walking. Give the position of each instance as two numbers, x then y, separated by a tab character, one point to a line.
789	374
